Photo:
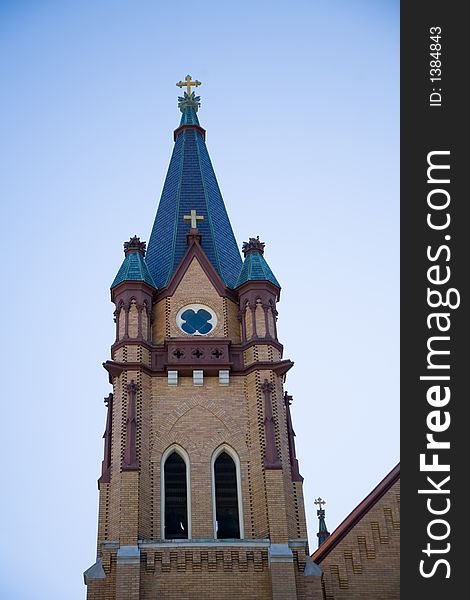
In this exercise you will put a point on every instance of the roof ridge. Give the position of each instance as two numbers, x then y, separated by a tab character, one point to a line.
209	216
356	514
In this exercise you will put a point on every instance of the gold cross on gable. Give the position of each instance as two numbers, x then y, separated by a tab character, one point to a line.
319	501
188	82
194	218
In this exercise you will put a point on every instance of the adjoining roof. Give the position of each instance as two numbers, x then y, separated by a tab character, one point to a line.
191	184
134	267
356	515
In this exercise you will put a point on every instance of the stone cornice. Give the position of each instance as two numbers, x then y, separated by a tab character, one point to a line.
116	368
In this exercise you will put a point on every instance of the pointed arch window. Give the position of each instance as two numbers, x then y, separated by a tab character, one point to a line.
175	497
226	495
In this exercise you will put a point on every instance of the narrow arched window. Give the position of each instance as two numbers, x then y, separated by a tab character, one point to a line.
176	498
226	497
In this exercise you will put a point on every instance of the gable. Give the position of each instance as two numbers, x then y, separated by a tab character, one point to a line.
361	558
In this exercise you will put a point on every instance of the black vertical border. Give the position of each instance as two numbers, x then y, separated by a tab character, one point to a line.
425	129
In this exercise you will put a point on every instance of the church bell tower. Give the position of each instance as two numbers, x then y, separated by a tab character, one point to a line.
200	494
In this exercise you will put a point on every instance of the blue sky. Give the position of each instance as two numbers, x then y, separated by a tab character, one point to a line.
301	105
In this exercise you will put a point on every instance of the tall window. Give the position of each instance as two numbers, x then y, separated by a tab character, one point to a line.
176	498
226	497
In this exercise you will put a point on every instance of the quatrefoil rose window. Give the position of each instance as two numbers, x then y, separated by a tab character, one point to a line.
196	319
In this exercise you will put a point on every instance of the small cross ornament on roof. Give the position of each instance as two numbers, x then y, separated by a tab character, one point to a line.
319	502
194	218
188	83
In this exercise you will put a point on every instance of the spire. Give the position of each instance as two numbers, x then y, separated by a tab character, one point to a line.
255	267
191	185
323	532
134	267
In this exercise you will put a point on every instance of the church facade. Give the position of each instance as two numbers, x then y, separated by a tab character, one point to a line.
200	494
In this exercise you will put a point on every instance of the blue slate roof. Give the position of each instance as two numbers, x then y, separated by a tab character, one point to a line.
255	268
133	268
191	184
189	117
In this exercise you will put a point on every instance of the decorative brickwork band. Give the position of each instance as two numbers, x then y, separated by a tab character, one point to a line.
271	459
130	462
294	463
106	464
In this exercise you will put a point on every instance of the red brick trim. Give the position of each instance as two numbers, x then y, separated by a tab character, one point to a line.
115	368
195	250
185	127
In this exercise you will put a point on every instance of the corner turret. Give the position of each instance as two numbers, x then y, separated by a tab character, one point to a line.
258	291
132	292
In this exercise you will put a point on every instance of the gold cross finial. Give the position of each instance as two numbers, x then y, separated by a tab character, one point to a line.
319	501
188	82
194	218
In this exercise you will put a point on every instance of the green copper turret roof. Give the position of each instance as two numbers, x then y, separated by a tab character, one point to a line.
255	267
191	184
134	267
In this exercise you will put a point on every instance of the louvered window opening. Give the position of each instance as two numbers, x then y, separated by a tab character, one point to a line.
176	498
226	498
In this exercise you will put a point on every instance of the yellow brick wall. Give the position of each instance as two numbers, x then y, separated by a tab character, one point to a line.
199	420
283	582
117	448
202	573
133	320
365	565
194	288
260	320
145	410
145	322
159	322
128	582
272	329
103	515
258	516
249	322
233	324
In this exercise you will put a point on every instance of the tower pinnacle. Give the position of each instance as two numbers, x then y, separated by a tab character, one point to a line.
323	532
188	82
189	98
